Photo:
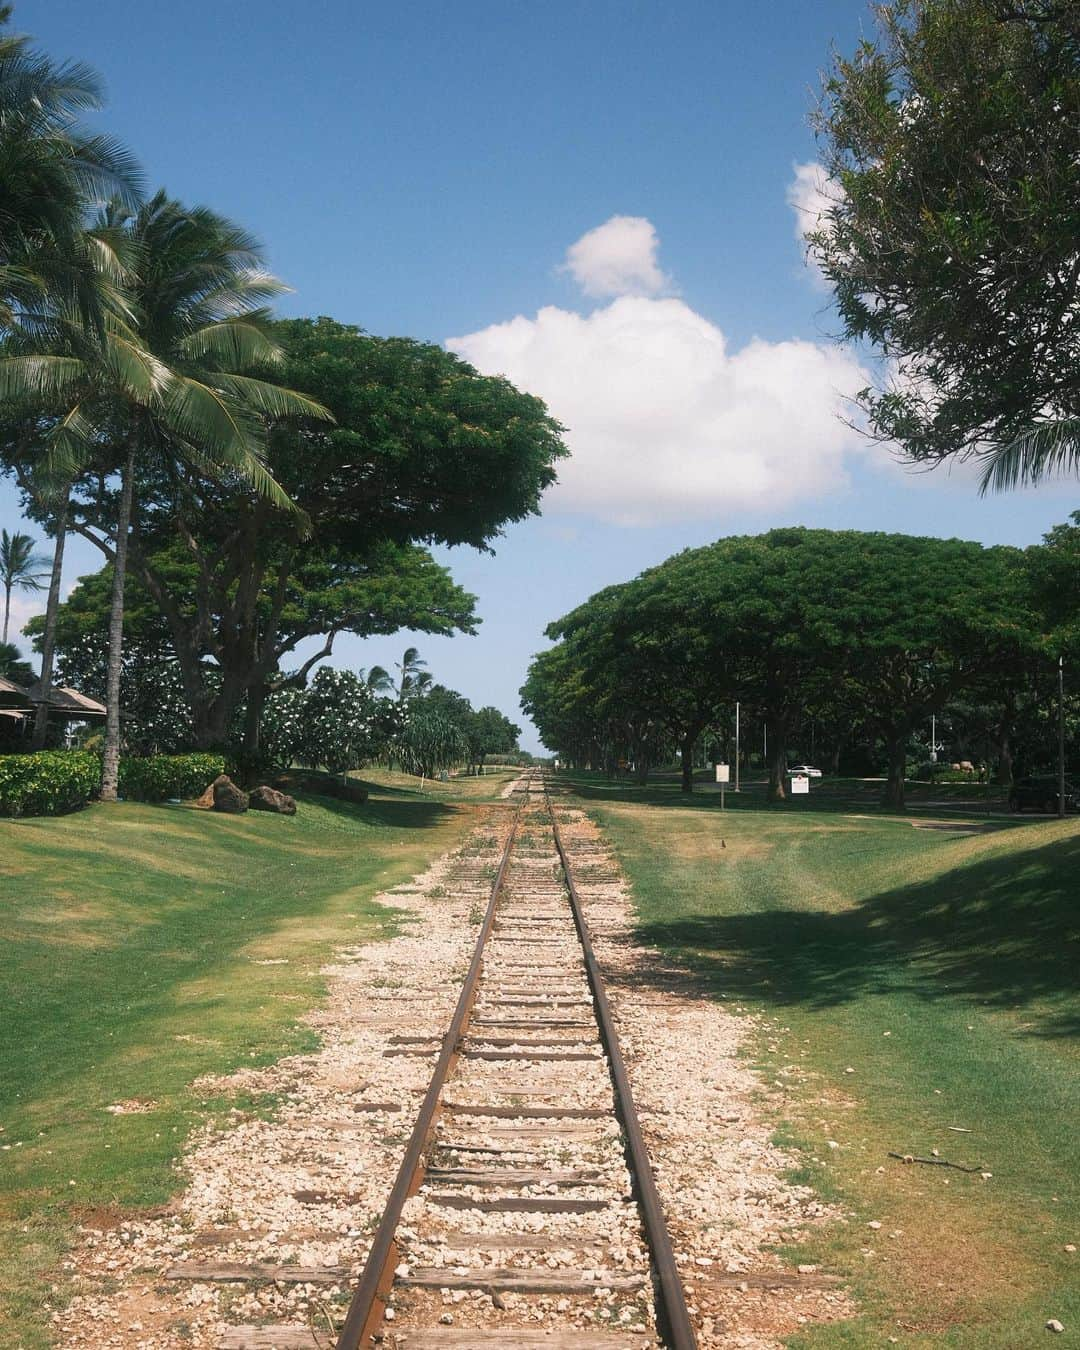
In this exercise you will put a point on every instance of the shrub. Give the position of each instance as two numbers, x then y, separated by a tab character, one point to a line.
157	777
48	783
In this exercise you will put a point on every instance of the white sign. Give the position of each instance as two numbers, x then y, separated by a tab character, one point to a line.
800	782
723	773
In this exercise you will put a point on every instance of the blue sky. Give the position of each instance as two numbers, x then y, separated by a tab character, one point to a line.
423	169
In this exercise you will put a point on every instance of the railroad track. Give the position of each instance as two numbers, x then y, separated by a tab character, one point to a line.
525	1176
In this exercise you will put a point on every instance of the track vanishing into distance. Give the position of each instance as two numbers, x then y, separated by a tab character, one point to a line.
526	1147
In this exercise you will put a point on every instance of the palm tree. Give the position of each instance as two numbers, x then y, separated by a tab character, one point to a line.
166	385
20	569
377	680
51	172
1048	448
413	679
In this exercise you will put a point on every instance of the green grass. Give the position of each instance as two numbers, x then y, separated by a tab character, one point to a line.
130	965
941	970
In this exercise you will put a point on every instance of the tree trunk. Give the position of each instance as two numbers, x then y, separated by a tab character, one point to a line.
894	784
110	769
688	763
777	760
253	711
48	641
7	609
1004	745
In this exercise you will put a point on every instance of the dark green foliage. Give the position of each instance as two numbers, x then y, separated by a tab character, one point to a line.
951	140
885	628
13	667
424	448
48	783
156	778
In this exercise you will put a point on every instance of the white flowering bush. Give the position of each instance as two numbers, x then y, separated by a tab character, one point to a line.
281	728
339	722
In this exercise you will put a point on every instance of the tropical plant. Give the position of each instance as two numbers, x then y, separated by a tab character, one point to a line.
167	390
432	741
338	723
21	569
51	171
413	678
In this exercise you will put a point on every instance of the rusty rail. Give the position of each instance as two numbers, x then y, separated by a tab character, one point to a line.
673	1314
365	1315
365	1310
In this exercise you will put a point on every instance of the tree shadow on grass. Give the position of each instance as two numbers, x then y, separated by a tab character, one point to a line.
390	813
1004	931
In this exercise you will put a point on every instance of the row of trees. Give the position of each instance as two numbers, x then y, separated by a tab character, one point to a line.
864	637
343	720
249	482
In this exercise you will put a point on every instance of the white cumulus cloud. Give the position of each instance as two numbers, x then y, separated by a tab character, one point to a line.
618	258
666	422
810	194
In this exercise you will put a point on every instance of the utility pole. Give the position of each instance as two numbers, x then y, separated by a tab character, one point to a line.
737	745
1061	736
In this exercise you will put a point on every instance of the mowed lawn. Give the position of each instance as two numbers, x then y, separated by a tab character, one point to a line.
910	981
146	945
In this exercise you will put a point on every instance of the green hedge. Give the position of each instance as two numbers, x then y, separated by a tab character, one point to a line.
53	781
48	783
158	777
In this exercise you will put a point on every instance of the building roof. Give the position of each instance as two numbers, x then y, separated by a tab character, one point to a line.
63	702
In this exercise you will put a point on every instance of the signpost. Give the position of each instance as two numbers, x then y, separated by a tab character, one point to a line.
800	783
723	777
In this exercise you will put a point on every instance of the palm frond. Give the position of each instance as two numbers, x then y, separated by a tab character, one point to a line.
68	448
272	400
44	379
228	435
1047	450
232	344
135	371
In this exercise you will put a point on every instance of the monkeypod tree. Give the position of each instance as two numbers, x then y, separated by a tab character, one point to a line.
879	629
950	143
397	587
421	450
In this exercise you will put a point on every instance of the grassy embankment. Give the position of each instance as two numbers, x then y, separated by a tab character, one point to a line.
911	980
130	964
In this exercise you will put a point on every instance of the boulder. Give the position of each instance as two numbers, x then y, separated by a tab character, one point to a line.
206	801
270	799
228	797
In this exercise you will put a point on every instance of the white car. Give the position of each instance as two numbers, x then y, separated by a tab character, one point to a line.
805	771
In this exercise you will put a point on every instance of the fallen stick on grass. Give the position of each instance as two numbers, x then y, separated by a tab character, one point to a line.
932	1162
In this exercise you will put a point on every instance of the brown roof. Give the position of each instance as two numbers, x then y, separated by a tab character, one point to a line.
62	700
13	694
69	701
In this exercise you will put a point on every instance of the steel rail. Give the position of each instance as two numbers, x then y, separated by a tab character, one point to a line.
365	1312
674	1320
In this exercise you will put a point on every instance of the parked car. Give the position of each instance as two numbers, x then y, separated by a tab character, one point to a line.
1040	793
806	771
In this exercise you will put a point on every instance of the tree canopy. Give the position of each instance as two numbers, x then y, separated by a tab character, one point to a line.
950	141
887	627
